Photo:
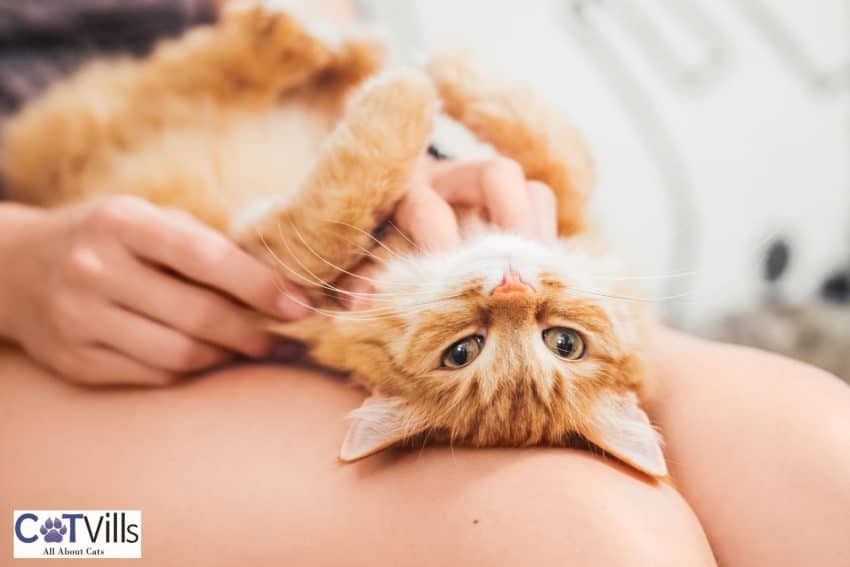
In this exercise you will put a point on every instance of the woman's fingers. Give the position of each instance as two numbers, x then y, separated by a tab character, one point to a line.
119	291
192	310
496	185
544	205
441	192
201	254
427	218
99	365
357	288
154	344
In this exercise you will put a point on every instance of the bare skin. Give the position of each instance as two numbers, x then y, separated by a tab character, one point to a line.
240	467
757	446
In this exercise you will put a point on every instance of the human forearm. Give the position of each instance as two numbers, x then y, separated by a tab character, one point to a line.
16	222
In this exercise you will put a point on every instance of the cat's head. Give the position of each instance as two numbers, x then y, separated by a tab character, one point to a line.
503	342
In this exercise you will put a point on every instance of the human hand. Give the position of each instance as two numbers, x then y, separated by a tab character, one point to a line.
494	190
120	291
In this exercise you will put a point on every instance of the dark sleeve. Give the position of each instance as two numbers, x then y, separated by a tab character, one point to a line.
99	22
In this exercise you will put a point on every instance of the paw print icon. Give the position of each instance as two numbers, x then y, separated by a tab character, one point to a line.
53	530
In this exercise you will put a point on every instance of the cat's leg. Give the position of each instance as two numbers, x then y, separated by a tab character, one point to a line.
53	147
255	52
359	176
520	127
261	50
358	57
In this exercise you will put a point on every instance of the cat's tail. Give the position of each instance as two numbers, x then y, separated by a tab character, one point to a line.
521	127
359	176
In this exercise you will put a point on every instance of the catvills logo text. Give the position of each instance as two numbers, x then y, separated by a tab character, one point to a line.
82	534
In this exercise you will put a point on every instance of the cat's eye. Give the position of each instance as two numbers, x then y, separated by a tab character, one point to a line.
566	343
463	352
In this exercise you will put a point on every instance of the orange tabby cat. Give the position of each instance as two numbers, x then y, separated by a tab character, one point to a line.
255	127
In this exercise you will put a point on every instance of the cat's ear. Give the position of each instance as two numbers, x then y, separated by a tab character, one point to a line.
378	424
622	428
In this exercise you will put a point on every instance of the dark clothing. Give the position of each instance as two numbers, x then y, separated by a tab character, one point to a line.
43	40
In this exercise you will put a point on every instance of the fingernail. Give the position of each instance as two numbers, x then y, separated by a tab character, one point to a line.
293	305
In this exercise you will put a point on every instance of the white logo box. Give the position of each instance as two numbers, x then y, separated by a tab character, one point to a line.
78	534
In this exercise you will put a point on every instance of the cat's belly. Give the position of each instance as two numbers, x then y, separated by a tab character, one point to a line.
220	167
266	156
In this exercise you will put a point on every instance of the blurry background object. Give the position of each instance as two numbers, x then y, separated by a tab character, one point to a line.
721	133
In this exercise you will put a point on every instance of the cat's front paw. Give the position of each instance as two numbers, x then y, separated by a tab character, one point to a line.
395	111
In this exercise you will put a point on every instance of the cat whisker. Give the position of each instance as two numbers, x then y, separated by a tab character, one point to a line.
381	313
373	296
319	282
372	236
424	443
329	286
403	235
339	269
632	298
323	285
283	264
368	254
370	314
377	315
646	277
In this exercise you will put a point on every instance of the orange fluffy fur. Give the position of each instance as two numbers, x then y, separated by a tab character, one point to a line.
265	133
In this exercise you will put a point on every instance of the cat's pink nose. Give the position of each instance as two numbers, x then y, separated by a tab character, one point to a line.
511	283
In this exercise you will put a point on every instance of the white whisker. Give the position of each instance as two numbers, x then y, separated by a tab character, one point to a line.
371	236
403	235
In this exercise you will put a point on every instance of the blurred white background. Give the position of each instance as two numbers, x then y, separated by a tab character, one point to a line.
716	126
